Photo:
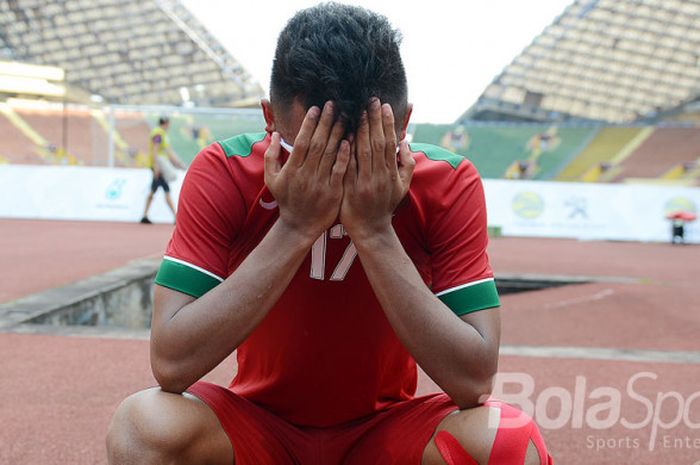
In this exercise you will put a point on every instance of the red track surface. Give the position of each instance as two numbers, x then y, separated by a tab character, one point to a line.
57	393
38	255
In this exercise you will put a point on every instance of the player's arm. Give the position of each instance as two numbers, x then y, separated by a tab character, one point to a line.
191	336
459	353
155	147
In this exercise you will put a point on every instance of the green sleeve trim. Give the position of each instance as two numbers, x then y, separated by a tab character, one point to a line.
242	145
435	153
471	297
186	278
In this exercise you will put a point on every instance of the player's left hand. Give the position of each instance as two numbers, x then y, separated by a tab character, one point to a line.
375	181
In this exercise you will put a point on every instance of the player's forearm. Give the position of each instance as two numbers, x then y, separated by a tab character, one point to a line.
451	351
204	332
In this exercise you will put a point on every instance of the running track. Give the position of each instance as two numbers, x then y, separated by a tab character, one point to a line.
57	393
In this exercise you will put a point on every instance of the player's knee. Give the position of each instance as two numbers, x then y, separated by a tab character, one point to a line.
495	433
140	431
474	431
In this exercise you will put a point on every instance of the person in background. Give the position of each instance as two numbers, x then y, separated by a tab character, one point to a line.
161	159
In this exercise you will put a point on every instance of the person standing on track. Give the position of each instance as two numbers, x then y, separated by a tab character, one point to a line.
332	256
161	161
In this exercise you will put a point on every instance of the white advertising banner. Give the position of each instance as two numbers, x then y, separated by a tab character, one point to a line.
589	211
521	208
81	193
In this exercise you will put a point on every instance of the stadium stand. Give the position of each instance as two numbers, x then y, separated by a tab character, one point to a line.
15	147
190	132
102	58
126	51
613	61
609	61
665	155
597	157
570	142
572	153
33	132
629	69
691	173
491	149
85	140
500	150
131	133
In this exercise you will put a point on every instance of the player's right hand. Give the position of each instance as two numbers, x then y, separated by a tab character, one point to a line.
309	187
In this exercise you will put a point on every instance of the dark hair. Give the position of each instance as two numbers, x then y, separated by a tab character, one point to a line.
163	120
342	53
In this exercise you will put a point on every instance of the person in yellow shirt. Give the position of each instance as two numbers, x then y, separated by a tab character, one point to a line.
161	161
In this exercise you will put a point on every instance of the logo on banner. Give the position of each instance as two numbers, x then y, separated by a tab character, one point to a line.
578	207
115	195
115	189
680	204
528	205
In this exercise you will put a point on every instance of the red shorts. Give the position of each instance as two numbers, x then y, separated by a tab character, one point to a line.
394	436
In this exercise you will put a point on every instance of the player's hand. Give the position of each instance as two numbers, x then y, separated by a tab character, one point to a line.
375	182
309	187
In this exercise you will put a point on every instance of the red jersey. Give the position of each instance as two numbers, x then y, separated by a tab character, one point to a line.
326	354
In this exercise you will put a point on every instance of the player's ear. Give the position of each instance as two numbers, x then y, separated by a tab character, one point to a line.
406	119
269	116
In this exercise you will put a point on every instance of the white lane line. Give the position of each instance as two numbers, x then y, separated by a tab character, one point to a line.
583	299
599	353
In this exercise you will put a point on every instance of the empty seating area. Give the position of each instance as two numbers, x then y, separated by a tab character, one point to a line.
15	147
80	135
495	148
33	133
189	133
127	51
597	156
74	131
664	150
131	138
573	153
612	61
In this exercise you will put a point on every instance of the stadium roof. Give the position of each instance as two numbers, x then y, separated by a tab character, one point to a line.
603	60
126	51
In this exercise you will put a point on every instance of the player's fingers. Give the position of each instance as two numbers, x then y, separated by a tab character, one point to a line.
363	149
376	134
319	139
406	164
330	154
340	167
272	159
390	137
351	172
303	138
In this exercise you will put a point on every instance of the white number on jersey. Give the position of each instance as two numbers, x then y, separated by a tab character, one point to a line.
318	255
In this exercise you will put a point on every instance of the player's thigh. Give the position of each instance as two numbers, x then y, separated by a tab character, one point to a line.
258	436
154	424
406	435
399	436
